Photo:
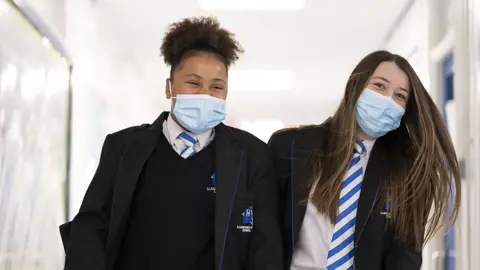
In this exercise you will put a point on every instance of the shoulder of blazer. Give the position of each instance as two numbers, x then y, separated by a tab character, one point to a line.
121	137
282	140
130	130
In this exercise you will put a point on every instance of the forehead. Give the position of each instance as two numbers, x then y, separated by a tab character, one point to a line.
204	65
393	73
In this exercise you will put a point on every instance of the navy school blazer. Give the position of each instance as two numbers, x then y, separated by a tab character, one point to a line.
245	180
375	245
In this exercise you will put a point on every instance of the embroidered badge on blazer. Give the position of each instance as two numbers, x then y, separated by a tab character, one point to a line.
213	187
387	210
247	220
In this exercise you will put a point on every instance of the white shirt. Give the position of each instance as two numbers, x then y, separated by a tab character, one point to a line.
172	130
311	251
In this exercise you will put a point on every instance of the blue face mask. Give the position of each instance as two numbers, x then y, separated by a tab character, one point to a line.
199	113
377	114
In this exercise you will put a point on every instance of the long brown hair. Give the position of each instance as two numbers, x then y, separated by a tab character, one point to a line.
423	163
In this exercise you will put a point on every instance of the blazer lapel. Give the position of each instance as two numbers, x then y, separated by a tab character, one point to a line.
370	188
135	155
301	152
229	164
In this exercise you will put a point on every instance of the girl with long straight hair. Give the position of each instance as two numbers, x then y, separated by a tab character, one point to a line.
367	188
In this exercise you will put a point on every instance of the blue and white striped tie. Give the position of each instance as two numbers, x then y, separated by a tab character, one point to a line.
189	142
340	255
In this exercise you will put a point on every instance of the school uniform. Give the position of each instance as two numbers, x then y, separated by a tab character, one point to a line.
163	198
309	234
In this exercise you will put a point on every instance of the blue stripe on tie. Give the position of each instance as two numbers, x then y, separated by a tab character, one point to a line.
352	177
193	153
341	246
354	161
341	261
347	196
345	227
188	137
347	211
362	146
184	149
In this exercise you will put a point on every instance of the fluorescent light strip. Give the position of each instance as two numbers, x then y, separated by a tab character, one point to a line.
259	80
209	5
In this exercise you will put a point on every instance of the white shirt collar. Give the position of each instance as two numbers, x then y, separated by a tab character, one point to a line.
174	130
369	145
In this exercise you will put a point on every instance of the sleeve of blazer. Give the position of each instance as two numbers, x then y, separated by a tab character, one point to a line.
86	244
400	257
266	246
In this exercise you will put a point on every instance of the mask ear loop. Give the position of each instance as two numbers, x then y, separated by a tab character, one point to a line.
171	89
171	95
408	129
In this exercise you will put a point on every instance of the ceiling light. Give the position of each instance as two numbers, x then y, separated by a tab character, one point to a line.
260	80
251	4
47	43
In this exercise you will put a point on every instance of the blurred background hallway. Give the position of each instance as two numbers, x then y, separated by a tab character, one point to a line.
72	71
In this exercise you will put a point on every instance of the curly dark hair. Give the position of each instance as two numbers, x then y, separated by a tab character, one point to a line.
199	34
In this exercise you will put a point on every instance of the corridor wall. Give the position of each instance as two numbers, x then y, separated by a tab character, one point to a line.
34	121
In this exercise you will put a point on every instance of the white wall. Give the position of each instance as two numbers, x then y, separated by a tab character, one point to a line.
410	39
51	11
452	26
107	94
466	17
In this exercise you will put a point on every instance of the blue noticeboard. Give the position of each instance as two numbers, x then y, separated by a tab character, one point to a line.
448	87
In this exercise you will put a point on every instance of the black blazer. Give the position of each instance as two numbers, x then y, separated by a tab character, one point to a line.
244	178
375	247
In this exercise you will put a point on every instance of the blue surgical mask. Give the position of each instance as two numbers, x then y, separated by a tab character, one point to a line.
199	113
378	114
